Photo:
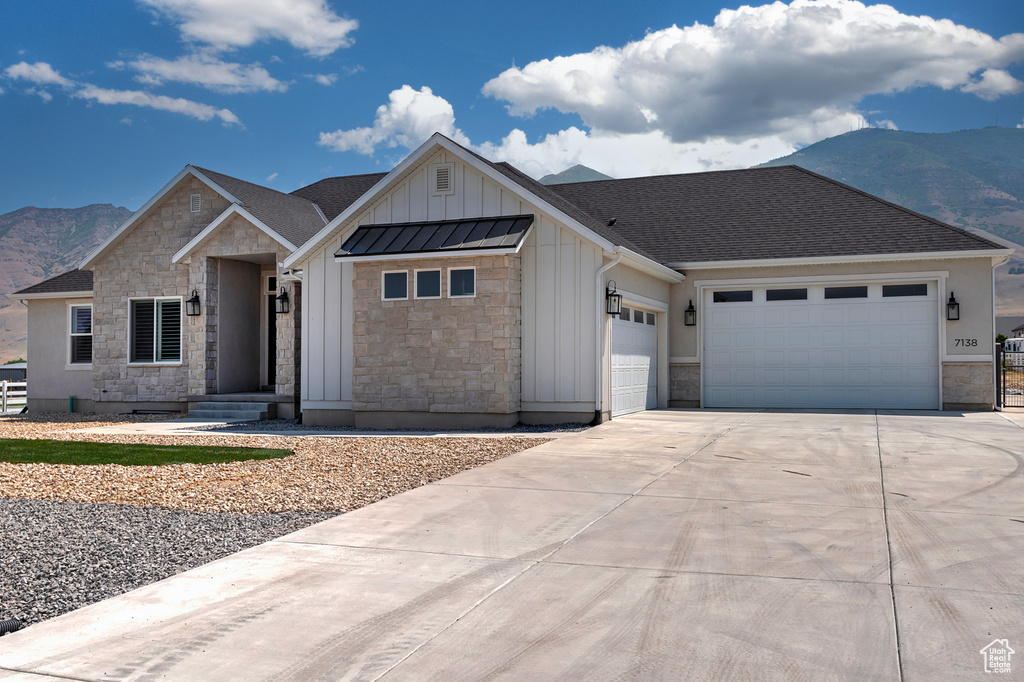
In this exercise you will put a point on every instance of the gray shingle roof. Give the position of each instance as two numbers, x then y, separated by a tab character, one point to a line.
294	218
75	280
780	212
334	195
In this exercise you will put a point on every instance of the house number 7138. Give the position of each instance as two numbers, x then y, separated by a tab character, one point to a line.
967	342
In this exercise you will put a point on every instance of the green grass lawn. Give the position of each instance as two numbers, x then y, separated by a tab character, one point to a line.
20	451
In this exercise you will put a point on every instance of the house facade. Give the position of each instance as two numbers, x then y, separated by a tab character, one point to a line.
454	291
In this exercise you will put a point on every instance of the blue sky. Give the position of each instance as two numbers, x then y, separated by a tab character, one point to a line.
103	102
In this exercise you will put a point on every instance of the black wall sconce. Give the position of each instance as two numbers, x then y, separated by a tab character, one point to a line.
192	306
281	302
614	299
690	315
952	308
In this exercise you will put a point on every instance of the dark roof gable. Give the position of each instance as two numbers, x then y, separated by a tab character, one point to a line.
68	282
759	213
334	195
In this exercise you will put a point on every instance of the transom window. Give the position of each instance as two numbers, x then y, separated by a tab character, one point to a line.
745	296
156	330
81	335
395	285
786	295
891	290
846	292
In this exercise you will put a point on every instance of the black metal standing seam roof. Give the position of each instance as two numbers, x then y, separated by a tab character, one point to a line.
293	217
759	213
499	232
69	282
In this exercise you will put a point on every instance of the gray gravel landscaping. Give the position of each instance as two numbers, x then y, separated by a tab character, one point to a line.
61	556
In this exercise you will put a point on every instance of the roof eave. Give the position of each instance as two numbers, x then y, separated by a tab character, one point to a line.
651	267
831	260
49	294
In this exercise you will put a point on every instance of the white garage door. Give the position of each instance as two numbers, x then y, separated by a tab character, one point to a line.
848	345
634	361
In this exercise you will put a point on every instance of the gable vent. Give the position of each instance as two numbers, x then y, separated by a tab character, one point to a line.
197	203
444	181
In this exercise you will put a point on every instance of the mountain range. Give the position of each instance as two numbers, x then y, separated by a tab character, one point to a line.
970	178
37	243
973	179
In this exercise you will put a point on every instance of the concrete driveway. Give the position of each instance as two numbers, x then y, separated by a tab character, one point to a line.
674	545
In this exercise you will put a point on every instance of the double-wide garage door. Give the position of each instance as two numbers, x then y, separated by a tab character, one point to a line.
848	345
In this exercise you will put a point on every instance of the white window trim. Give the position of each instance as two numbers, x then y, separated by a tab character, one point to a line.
196	203
475	283
388	272
131	332
68	365
416	283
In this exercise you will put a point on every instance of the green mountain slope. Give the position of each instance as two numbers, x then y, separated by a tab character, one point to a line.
970	178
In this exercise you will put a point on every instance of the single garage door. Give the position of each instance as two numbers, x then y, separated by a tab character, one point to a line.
634	361
843	345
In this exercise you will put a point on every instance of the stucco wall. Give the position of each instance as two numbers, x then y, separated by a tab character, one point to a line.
50	378
447	355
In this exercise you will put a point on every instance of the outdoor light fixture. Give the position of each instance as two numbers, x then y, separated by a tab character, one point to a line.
282	302
192	304
952	308
614	299
690	315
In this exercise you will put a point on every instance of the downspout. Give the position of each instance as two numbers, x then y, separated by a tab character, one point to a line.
599	346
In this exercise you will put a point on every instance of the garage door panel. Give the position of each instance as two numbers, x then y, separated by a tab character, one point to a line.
634	372
880	351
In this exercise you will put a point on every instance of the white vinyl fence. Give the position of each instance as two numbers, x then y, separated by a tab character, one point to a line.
13	395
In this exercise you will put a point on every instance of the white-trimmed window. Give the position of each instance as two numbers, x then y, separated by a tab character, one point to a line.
155	330
394	285
428	283
80	333
461	282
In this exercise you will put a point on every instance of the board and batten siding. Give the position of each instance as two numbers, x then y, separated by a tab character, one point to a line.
558	283
559	319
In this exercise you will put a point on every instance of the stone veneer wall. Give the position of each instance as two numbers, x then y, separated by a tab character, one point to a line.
138	267
453	355
684	386
967	386
237	237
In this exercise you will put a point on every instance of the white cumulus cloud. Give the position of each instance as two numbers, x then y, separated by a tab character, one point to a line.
178	105
308	25
39	73
762	71
205	70
324	78
993	84
409	118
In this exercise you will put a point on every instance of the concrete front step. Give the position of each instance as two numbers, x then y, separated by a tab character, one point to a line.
231	410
